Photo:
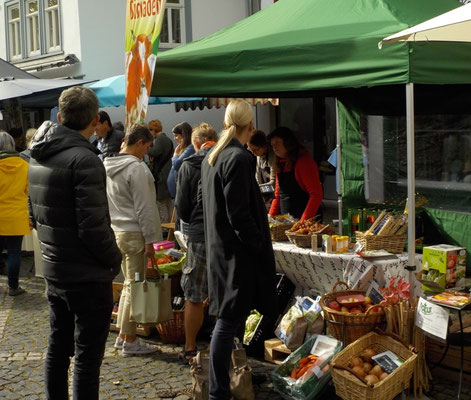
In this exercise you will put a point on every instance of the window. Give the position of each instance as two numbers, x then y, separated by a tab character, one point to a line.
173	26
33	28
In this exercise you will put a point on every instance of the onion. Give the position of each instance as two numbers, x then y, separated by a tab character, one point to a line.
359	370
383	376
376	370
356	362
367	367
367	354
371	379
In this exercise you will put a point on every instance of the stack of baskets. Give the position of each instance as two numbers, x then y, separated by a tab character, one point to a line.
393	244
173	331
349	387
346	326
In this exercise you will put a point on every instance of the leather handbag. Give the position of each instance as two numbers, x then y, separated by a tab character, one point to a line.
151	301
240	375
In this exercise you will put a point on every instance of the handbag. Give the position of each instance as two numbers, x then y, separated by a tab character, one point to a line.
151	301
240	375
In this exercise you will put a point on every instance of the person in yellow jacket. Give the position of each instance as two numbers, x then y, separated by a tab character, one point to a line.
14	221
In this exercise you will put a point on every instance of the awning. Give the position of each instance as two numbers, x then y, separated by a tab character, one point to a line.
218	102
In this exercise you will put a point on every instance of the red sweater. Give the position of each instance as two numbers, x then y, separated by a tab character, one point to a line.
307	176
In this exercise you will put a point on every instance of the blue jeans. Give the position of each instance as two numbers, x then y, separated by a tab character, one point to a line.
80	320
12	244
222	344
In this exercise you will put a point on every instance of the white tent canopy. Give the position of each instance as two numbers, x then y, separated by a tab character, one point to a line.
453	26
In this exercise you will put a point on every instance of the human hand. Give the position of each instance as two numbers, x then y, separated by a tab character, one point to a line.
149	250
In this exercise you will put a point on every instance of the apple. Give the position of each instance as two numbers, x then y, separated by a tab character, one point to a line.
355	310
367	300
334	305
344	309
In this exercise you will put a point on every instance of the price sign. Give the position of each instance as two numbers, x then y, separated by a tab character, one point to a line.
432	318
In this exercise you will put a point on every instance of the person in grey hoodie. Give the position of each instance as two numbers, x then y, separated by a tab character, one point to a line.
136	223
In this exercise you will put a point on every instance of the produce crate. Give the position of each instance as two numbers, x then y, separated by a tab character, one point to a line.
349	387
312	386
393	244
346	326
275	351
141	330
266	325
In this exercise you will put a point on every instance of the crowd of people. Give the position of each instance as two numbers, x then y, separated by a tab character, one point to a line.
97	197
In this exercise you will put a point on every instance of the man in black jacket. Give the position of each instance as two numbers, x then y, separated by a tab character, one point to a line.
109	139
189	207
69	208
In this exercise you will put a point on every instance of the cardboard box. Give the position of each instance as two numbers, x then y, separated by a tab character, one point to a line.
444	267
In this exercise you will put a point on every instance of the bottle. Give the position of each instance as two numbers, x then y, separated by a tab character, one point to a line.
137	277
327	244
334	243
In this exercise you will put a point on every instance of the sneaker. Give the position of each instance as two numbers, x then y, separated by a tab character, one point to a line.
119	343
138	347
15	292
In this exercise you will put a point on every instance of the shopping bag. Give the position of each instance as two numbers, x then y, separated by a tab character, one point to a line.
240	375
151	301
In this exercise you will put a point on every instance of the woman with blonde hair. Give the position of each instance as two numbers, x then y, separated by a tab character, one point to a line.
240	260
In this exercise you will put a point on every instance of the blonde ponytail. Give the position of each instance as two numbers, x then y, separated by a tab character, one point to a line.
238	115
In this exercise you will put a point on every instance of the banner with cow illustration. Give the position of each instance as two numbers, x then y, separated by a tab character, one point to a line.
143	24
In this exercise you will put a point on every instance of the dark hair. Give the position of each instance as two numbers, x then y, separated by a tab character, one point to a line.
290	142
184	129
78	106
105	117
258	138
137	132
118	126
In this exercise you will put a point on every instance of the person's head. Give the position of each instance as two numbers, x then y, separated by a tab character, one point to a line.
104	124
182	134
7	143
238	123
137	140
78	109
119	126
258	143
203	133
284	144
29	136
155	127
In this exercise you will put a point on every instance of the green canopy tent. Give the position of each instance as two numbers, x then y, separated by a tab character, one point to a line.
298	48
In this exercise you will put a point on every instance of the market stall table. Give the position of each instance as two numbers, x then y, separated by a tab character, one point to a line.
317	272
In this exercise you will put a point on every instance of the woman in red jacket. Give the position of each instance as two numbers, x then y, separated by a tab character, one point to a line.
298	190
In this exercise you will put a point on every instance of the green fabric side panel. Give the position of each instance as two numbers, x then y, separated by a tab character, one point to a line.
352	170
454	227
305	45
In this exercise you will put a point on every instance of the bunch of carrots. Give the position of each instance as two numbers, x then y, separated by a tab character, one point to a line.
304	364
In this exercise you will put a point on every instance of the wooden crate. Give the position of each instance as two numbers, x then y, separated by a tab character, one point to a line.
275	351
141	330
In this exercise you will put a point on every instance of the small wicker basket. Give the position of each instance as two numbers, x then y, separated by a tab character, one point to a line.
393	244
298	239
349	387
278	232
346	326
173	331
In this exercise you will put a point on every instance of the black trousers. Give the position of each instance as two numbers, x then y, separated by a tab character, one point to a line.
80	319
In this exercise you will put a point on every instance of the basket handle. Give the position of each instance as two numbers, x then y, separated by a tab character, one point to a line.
374	306
395	337
353	373
340	283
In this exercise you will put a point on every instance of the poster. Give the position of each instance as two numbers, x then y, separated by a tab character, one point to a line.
143	25
432	318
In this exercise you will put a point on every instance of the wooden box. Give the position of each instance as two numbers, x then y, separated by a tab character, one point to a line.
275	351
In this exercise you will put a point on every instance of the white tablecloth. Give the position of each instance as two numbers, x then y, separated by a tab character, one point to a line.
316	273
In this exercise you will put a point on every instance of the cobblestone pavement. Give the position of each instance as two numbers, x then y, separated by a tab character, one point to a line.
23	342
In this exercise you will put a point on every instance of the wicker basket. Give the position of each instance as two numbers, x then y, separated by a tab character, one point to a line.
393	244
346	326
298	239
278	232
350	387
173	331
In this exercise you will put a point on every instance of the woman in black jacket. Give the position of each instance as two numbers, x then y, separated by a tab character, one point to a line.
240	260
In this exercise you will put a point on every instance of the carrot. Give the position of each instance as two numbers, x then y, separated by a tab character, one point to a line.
304	369
313	357
293	373
304	361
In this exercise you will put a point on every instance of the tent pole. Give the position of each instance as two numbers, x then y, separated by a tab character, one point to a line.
411	267
338	170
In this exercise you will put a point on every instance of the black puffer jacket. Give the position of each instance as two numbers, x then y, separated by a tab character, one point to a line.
69	208
188	204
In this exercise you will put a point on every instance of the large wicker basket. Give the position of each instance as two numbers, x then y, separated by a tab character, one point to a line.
278	232
393	244
350	387
173	331
346	326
